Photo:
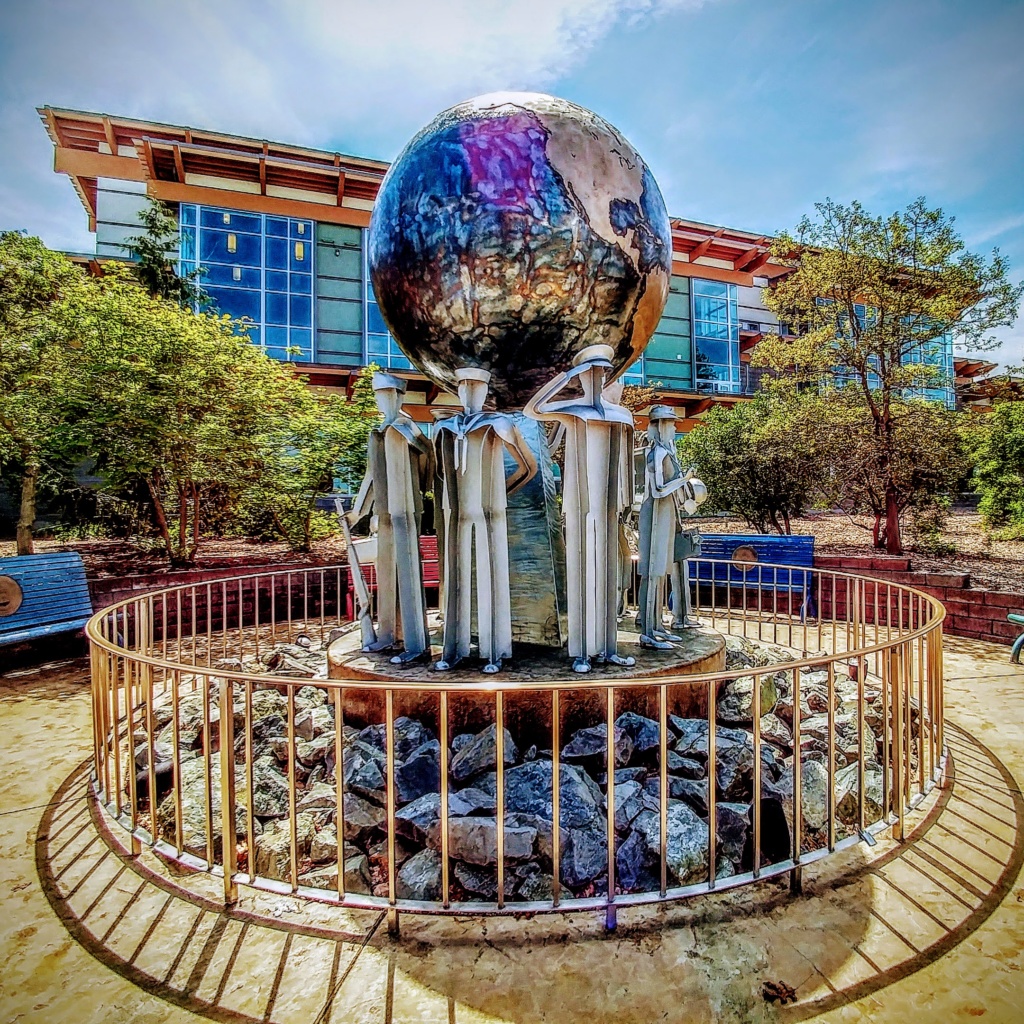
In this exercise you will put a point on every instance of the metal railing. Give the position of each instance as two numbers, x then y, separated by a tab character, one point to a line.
175	675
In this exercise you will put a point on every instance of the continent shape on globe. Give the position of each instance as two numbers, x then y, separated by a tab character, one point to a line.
513	231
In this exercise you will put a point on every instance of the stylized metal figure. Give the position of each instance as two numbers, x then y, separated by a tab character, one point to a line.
597	481
470	449
665	544
399	468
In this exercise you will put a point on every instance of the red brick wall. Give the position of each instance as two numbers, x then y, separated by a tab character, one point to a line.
970	611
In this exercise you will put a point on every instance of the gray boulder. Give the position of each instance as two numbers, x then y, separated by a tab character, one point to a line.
482	754
686	841
419	878
593	743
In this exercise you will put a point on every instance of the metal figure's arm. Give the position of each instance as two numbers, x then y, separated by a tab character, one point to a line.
526	464
661	489
538	407
364	499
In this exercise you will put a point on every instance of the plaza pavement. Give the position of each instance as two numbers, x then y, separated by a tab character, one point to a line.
928	930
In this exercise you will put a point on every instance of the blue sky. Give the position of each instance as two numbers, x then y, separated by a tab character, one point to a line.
747	110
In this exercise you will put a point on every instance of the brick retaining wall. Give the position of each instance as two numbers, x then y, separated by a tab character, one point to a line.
970	611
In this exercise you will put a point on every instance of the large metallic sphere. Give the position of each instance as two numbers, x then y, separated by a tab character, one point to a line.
513	231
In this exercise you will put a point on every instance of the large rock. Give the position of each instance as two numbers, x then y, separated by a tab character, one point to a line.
482	754
313	722
420	820
593	743
273	846
315	751
325	876
736	705
528	791
363	773
585	855
644	732
686	845
361	816
270	789
814	794
419	773
475	840
193	808
733	830
464	802
848	794
483	882
409	735
635	869
419	878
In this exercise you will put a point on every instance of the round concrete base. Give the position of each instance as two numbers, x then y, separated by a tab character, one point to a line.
471	699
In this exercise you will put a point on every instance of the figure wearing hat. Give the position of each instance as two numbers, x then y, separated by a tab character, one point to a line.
664	545
597	480
470	448
399	468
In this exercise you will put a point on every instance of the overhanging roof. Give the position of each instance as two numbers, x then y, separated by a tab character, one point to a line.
183	164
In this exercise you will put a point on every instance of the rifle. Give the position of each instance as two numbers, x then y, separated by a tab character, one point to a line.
367	632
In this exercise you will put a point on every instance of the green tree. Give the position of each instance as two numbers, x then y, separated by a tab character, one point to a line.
923	459
321	437
871	298
33	279
155	257
998	448
756	459
165	398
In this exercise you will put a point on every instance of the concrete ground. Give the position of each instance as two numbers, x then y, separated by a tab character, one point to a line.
928	930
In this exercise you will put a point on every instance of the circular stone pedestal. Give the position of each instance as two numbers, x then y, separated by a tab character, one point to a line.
471	700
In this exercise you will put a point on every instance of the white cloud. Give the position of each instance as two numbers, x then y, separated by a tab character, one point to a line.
307	71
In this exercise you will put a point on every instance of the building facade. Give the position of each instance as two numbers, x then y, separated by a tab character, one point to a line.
279	234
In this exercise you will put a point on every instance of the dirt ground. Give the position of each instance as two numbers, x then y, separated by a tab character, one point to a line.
995	565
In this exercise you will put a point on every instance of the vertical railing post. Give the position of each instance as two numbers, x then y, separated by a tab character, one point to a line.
229	837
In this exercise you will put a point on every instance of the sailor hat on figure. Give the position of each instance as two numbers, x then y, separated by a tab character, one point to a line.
596	355
473	373
388	382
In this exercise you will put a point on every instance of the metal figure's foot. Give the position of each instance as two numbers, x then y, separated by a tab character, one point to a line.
491	667
652	644
407	656
444	666
380	645
618	659
688	623
581	665
664	634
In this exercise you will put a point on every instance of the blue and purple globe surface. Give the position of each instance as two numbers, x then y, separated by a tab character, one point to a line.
513	231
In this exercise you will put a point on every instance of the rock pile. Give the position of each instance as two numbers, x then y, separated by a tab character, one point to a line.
528	833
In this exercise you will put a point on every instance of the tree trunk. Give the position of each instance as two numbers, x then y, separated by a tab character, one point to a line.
161	519
27	513
893	542
876	532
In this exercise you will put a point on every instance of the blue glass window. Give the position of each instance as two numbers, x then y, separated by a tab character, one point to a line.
381	347
277	253
300	311
236	302
245	259
716	337
277	308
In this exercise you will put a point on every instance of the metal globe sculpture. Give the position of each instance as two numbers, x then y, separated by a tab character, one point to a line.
512	232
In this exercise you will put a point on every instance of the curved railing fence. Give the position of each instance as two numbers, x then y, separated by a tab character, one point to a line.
213	745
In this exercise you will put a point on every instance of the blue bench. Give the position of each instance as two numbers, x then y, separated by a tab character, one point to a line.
42	595
741	556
